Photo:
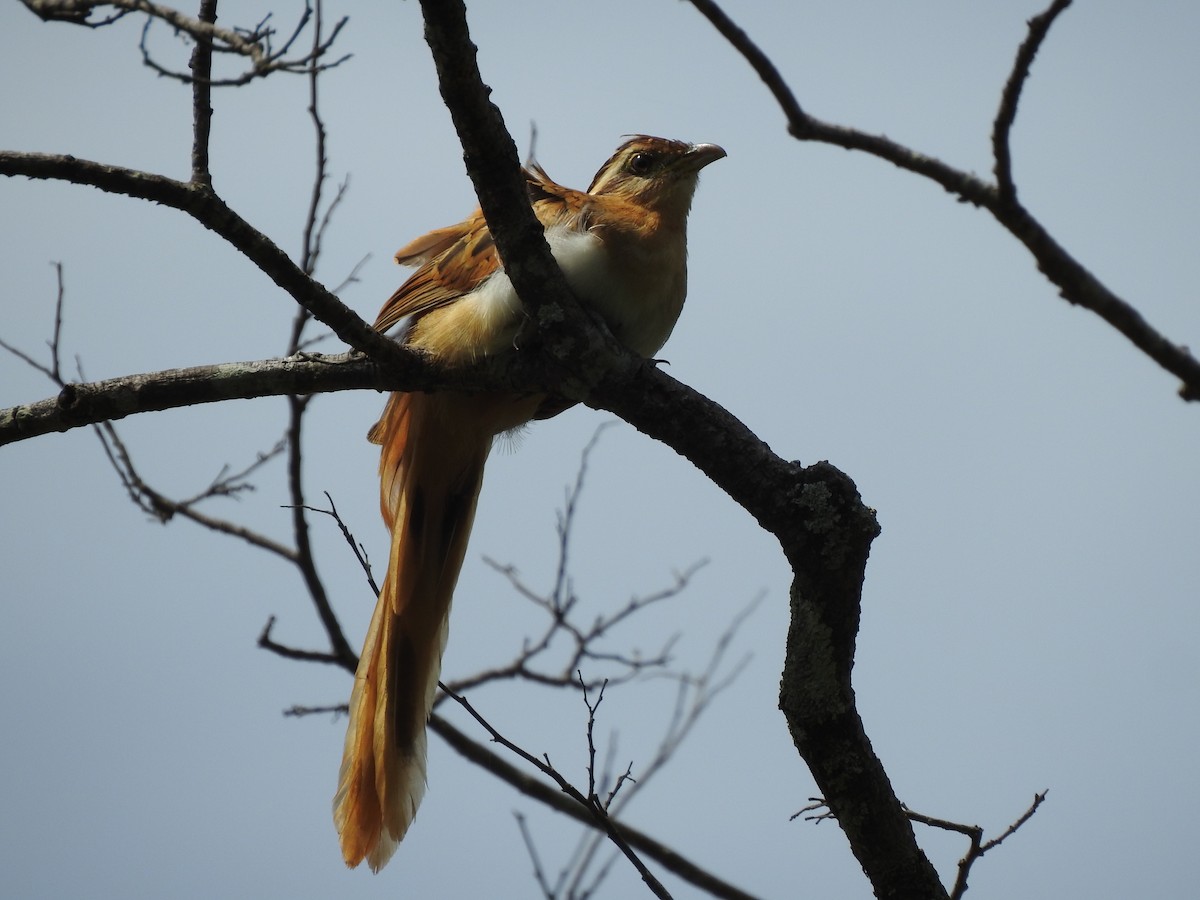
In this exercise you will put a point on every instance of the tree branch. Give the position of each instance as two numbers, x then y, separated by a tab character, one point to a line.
254	44
555	799
207	208
115	398
1039	27
202	111
822	525
590	803
1076	284
577	347
977	848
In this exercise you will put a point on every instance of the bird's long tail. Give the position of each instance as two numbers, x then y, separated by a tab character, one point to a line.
434	449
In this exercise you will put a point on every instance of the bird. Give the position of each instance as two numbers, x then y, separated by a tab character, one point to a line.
622	246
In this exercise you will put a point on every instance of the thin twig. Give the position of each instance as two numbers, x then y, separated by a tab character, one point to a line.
266	642
567	515
255	44
559	605
976	848
539	874
694	696
590	803
310	248
356	547
208	209
337	710
667	857
55	372
163	508
298	404
1039	27
340	648
202	112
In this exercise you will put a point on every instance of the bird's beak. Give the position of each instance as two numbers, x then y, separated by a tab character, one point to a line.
699	156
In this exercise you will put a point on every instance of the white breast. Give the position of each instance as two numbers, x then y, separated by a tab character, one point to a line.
643	318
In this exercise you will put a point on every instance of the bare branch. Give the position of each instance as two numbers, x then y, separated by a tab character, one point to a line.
311	246
55	372
561	606
578	349
538	874
694	696
305	558
816	513
76	12
254	44
1038	800
567	516
334	659
298	405
337	710
759	62
359	551
201	66
115	398
203	204
977	847
818	810
20	354
590	802
1076	284
163	508
1039	27
591	734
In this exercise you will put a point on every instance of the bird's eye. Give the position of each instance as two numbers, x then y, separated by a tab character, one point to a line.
642	164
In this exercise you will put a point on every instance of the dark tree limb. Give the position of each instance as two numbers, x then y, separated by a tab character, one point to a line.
822	525
82	404
575	344
817	698
1075	283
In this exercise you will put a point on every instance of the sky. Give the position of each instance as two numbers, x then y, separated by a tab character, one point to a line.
1029	614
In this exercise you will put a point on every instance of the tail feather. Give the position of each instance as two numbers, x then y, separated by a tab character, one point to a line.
429	489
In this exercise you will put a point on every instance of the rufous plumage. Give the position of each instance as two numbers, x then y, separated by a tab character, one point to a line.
622	246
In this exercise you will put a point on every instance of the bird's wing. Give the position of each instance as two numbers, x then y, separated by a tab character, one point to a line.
453	261
456	260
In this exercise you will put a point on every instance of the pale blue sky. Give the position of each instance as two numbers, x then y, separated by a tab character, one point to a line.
1030	611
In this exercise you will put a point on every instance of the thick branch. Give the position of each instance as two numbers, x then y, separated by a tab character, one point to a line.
816	514
576	344
100	401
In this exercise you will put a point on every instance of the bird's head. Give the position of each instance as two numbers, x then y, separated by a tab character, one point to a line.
656	173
